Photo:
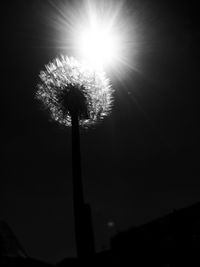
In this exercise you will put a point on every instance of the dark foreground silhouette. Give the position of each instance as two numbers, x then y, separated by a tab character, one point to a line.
172	240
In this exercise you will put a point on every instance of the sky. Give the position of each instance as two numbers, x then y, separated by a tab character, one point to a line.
140	163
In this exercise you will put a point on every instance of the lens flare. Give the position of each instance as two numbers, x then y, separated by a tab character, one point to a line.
104	34
98	47
65	76
97	42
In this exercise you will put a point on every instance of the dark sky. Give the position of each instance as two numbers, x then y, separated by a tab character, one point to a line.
138	164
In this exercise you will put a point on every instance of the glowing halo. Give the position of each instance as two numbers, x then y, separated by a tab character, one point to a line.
64	75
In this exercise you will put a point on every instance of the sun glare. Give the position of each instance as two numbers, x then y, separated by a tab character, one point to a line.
97	47
99	33
98	44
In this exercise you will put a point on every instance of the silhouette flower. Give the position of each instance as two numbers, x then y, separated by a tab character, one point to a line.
67	86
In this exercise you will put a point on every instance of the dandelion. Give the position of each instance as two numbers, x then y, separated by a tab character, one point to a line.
69	87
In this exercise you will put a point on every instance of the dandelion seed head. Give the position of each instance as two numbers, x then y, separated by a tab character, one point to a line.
65	81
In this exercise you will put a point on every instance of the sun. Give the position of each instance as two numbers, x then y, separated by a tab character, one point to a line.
98	45
102	34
